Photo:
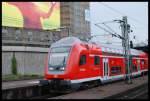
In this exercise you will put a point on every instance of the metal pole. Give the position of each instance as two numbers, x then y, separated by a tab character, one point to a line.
68	31
125	43
126	48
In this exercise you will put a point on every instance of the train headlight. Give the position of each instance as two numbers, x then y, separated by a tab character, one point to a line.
62	68
51	68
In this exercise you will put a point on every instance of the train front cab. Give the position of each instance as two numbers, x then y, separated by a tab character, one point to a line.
56	68
79	68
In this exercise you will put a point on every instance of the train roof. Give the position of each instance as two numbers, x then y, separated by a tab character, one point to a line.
67	41
118	49
109	48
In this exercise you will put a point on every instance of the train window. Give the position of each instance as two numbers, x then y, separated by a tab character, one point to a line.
82	60
60	49
134	68
115	70
142	61
96	60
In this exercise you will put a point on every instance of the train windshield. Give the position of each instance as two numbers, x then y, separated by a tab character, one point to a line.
58	57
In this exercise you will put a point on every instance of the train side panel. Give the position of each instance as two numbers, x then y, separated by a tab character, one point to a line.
85	69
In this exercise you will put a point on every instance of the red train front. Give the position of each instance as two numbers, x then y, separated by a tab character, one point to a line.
72	63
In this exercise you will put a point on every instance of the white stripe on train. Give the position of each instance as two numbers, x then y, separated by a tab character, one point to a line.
121	57
107	79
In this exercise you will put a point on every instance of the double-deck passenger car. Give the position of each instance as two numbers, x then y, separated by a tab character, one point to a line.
72	63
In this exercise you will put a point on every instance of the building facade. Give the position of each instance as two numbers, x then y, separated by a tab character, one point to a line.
73	16
28	37
72	22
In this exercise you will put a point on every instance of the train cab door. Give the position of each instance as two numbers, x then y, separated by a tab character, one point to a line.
105	69
138	65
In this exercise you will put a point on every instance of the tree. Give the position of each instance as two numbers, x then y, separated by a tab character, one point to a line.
14	65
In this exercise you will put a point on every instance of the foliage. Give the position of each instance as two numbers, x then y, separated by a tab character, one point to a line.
14	65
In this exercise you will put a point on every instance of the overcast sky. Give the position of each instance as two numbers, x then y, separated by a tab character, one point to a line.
137	13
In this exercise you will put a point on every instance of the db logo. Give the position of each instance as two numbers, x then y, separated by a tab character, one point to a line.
55	76
112	62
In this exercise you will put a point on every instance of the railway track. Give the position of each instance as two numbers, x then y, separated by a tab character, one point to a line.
140	92
45	96
51	94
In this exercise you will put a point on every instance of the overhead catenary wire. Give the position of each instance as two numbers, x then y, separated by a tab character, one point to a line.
102	35
121	13
106	22
113	34
109	28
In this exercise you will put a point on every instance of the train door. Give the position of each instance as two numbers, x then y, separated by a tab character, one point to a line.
138	65
105	68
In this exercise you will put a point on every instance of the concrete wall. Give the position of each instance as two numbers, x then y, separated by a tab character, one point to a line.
29	61
6	63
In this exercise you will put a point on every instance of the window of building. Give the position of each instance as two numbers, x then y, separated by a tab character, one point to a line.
18	31
82	60
115	69
96	60
17	34
30	36
53	34
4	30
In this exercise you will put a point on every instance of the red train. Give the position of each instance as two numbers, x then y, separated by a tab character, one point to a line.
73	63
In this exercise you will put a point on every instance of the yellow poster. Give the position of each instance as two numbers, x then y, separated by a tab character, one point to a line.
36	15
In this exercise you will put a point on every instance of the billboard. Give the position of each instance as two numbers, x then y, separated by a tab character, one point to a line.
36	15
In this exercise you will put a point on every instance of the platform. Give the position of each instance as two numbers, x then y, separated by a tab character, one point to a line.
18	84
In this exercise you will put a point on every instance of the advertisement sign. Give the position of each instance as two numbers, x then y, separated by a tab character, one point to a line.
36	15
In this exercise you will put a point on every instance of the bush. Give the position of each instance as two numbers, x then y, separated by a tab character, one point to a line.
14	65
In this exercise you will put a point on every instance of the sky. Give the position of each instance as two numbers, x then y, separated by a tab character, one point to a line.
137	16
